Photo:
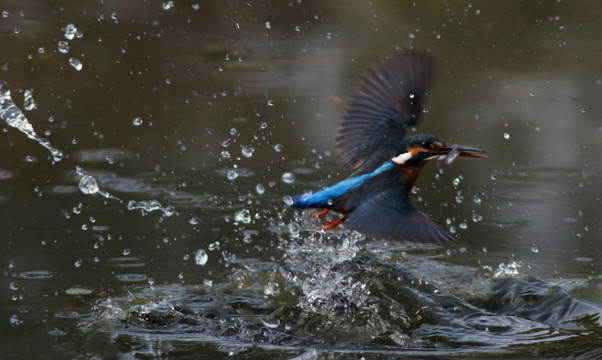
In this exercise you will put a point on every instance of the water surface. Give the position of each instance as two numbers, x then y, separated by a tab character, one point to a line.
160	231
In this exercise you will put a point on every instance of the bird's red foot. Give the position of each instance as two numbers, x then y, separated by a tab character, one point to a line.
332	224
321	213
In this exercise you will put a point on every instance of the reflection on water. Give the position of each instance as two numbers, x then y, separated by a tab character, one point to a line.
201	118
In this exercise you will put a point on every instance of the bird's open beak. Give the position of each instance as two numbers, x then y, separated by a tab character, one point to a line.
450	152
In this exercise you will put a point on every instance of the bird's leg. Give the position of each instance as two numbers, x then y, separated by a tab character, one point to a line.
332	224
321	213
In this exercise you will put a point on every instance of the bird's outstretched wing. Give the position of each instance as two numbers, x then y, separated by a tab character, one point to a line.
386	103
388	214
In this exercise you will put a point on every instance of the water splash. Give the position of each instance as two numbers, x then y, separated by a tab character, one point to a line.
147	206
14	117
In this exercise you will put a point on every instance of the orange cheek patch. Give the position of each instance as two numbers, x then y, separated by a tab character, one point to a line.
415	150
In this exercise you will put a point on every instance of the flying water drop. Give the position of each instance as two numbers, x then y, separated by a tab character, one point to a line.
243	216
247	150
28	102
88	185
288	177
77	65
200	257
70	31
63	47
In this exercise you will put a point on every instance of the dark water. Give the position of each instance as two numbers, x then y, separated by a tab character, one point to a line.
194	119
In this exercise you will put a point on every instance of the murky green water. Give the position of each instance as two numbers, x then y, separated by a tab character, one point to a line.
162	232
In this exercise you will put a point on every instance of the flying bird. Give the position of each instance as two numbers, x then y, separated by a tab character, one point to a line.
374	199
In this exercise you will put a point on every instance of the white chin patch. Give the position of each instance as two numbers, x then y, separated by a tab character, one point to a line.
401	159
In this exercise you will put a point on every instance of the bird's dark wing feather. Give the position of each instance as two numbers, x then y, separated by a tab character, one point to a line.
390	215
386	103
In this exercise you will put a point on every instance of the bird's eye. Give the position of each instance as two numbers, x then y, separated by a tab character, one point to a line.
428	145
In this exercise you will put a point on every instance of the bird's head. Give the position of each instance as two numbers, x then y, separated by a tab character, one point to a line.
422	147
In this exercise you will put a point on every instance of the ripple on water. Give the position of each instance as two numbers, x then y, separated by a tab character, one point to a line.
524	192
126	262
67	314
131	277
34	275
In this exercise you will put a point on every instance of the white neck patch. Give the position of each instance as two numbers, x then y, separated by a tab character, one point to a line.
401	159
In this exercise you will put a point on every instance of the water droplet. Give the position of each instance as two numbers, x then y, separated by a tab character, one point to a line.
476	217
294	229
78	263
268	25
77	209
207	282
168	5
126	252
288	200
232	174
69	31
278	147
225	154
200	257
193	221
28	102
88	185
247	151
63	47
243	216
270	102
77	65
463	225
288	177
260	189
214	246
534	249
506	136
137	121
456	182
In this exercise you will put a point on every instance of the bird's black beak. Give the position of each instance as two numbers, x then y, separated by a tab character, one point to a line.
452	151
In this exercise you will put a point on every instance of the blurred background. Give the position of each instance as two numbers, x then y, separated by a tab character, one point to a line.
195	118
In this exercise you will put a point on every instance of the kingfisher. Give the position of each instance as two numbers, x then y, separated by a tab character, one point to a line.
374	200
